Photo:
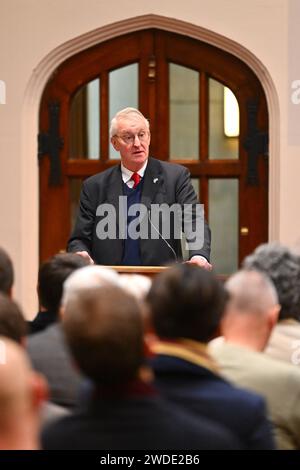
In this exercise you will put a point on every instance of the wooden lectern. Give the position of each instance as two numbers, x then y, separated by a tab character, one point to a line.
149	271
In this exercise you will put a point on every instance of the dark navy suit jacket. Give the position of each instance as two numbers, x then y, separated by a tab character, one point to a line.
205	393
137	422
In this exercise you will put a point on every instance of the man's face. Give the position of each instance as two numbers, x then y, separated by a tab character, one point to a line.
132	141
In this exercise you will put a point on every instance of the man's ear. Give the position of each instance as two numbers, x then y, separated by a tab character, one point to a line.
115	143
225	321
39	389
273	315
61	312
11	293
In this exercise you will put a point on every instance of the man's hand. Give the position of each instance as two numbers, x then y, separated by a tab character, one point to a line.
200	261
85	255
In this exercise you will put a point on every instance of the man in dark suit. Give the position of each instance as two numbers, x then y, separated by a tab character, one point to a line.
187	304
145	183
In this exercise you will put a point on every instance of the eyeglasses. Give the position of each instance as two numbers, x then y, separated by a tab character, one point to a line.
130	138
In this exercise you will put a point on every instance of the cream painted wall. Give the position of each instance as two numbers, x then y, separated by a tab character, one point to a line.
31	29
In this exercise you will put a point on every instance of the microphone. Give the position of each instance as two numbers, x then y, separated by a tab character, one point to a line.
157	231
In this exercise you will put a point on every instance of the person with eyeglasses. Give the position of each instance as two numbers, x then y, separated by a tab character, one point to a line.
117	223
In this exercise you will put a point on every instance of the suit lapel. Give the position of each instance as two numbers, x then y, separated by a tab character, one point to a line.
114	185
152	182
114	191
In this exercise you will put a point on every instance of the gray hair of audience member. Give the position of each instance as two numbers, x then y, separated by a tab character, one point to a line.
282	266
6	273
251	292
124	114
135	284
12	322
89	277
104	330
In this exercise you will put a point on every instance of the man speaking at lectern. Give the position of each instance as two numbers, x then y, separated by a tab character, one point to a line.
107	231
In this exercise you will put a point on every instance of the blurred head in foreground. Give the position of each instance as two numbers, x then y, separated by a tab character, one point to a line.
22	392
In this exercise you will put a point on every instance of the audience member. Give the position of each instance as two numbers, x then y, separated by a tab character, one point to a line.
283	268
12	322
104	330
251	314
87	278
6	273
21	395
136	284
52	275
48	350
187	304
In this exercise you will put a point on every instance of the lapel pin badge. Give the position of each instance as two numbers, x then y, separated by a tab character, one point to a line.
155	180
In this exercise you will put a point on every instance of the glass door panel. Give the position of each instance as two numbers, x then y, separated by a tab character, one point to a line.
221	119
184	112
123	93
223	221
85	122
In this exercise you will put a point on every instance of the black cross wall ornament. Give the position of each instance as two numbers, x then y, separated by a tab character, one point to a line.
256	143
51	143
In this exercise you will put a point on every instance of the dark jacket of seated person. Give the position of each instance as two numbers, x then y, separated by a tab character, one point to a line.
104	330
186	304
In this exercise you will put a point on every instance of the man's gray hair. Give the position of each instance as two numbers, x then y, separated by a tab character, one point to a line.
89	277
251	292
123	114
136	285
282	266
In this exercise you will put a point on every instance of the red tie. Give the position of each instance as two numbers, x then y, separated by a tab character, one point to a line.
136	179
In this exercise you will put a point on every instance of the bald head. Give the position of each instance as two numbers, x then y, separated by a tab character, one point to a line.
252	310
22	392
88	278
251	292
135	284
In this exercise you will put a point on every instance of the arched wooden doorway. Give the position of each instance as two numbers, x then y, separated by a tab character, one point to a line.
178	83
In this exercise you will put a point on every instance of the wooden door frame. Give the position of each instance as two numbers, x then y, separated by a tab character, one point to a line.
36	82
88	167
